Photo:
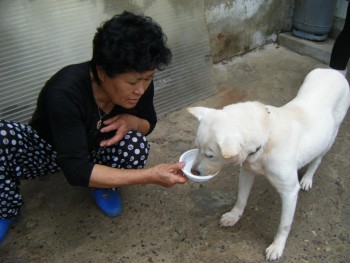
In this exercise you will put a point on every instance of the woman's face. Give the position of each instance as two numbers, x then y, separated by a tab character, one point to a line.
125	89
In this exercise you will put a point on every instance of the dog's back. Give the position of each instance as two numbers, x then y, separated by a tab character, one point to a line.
323	99
324	90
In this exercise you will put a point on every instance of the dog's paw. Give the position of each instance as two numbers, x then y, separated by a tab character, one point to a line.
229	219
306	183
274	252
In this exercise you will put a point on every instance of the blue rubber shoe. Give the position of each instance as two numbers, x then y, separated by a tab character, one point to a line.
108	200
4	227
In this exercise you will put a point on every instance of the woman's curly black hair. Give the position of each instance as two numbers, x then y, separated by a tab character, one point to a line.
129	42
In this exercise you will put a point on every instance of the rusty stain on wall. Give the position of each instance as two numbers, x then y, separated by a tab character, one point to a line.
239	26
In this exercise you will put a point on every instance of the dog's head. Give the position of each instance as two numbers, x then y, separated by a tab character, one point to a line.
218	144
229	135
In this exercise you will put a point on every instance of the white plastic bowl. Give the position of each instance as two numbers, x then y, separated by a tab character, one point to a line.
188	157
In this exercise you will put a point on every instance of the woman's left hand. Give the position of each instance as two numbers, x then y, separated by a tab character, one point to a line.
122	124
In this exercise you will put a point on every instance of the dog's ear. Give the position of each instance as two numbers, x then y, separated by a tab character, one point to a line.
228	147
199	112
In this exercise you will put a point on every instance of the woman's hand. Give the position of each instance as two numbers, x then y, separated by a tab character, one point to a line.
168	175
122	124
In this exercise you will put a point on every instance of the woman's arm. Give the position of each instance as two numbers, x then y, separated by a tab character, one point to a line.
163	174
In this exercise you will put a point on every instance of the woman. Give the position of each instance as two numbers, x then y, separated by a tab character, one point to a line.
91	121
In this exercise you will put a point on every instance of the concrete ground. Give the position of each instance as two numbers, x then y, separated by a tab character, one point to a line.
60	223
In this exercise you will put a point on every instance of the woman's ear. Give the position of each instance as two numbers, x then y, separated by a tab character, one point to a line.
100	73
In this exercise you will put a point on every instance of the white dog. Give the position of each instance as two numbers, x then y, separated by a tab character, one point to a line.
274	142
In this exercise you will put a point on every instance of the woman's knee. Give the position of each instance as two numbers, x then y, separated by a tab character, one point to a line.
134	149
130	153
9	132
135	142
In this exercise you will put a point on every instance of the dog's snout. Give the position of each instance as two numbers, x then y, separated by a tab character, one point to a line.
195	171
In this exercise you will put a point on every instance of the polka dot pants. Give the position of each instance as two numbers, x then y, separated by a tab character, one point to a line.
24	155
129	153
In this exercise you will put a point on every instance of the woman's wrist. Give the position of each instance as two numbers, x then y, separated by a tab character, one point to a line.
142	125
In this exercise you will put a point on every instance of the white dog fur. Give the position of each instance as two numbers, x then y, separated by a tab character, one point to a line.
274	142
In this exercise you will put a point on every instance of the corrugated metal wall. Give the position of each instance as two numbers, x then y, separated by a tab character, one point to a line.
38	37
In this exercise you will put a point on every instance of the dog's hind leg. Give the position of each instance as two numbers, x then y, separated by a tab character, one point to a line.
245	184
306	181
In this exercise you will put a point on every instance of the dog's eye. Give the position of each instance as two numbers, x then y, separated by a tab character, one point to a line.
209	155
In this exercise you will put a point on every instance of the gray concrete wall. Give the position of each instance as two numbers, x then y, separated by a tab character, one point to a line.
239	26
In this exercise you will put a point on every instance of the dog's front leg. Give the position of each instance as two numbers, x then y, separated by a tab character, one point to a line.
289	195
246	179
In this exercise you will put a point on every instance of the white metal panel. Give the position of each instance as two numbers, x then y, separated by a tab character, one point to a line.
38	37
